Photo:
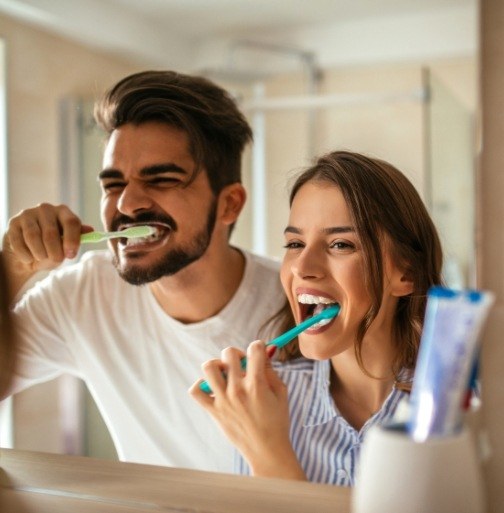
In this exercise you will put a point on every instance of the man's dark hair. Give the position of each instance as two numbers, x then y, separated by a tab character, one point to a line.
217	131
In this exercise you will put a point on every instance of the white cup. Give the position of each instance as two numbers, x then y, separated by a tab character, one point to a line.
396	474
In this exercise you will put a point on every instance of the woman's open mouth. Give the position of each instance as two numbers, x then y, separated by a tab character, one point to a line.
310	305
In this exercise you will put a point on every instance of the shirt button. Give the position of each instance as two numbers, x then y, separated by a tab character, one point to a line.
341	474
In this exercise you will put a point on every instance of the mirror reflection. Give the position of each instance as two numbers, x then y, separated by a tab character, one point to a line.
396	85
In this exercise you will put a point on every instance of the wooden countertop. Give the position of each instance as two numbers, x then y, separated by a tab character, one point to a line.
32	482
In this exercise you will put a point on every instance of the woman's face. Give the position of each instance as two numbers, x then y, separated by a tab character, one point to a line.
324	264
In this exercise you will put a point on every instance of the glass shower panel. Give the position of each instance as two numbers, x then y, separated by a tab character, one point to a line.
97	440
451	182
82	142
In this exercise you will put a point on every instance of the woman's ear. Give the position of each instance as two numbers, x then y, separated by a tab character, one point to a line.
231	201
402	283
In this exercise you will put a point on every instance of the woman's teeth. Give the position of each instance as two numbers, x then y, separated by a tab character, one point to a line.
320	302
321	323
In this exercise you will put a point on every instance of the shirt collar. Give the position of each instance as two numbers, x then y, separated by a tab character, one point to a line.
320	406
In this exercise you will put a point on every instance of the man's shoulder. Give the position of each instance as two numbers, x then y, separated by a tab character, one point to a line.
263	263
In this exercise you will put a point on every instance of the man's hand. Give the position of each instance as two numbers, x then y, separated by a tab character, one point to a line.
40	238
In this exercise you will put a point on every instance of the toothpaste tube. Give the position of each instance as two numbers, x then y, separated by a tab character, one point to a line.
448	348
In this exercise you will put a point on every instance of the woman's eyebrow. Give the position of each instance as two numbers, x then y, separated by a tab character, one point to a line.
329	231
339	229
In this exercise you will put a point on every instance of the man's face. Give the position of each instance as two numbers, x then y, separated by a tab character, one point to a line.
146	169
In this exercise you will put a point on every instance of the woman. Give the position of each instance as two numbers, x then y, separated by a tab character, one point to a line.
360	236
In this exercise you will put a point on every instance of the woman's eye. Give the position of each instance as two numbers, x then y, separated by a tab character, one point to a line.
342	245
293	245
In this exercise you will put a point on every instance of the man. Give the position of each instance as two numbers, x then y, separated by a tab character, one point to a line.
172	161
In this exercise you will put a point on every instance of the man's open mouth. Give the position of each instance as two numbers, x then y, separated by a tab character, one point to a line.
160	235
310	305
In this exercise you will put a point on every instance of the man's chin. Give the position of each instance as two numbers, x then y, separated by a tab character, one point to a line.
136	275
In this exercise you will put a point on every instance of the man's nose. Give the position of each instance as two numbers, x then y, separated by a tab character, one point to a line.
134	199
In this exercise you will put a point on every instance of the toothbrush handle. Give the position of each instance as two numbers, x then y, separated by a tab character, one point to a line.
286	337
206	387
92	237
279	341
283	339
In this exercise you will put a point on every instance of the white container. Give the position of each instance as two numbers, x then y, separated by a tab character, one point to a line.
396	474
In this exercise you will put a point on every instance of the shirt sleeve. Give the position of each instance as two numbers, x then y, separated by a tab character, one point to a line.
43	320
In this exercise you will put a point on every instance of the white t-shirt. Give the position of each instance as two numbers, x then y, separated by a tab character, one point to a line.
138	362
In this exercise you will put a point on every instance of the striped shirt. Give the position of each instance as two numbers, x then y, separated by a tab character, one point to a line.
327	446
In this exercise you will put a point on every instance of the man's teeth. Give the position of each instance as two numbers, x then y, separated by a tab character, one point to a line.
143	240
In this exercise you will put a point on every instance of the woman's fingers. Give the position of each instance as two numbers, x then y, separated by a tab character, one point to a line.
230	382
204	399
232	357
257	361
214	372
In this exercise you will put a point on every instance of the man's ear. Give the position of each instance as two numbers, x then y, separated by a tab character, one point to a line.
231	201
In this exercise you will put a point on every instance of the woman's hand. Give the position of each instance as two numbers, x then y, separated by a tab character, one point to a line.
251	408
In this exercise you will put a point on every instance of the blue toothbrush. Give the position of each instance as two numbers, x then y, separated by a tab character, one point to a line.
286	337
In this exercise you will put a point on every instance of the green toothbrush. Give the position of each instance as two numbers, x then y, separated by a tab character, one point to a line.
132	232
285	338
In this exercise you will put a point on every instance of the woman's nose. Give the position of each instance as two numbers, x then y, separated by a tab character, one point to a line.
309	265
133	199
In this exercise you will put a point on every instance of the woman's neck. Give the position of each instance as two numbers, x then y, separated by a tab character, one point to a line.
357	395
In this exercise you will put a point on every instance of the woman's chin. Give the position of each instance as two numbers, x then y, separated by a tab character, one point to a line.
315	353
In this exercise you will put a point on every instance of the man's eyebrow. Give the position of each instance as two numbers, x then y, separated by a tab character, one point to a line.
159	169
328	231
156	169
109	173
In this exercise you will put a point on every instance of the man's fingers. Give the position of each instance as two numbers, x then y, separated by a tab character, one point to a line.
44	234
14	245
72	228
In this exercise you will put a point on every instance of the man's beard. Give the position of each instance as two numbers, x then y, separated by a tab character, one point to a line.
174	260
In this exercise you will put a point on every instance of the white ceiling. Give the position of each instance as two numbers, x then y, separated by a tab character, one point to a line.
183	33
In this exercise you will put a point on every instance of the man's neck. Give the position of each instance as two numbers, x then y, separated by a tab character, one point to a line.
203	288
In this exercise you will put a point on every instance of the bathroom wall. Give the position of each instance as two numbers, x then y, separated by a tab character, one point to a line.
40	70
